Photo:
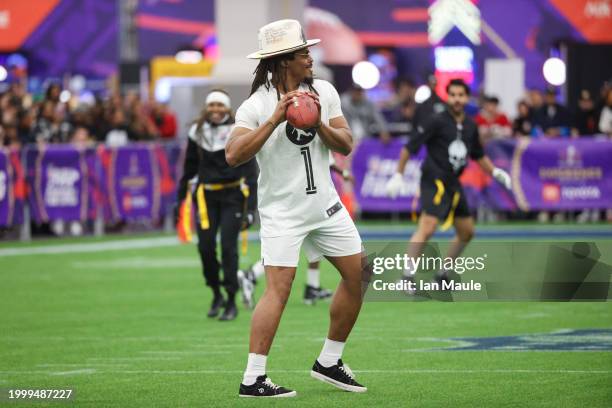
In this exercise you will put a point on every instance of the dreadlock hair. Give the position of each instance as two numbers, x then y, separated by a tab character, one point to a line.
199	121
278	75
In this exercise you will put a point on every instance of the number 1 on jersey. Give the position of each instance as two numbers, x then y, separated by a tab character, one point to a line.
310	186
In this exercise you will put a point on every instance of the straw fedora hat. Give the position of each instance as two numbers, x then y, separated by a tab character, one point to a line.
281	37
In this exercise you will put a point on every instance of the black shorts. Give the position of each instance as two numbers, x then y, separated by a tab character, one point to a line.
438	199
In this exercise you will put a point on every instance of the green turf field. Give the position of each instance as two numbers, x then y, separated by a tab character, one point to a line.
127	327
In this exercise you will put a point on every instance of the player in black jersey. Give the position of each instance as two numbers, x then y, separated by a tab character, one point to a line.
451	138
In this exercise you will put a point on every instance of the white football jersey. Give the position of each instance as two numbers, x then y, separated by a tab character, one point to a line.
295	189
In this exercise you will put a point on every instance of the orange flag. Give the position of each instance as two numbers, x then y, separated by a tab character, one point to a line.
184	226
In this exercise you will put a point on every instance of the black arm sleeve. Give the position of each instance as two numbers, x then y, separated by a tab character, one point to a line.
420	135
190	169
476	152
250	173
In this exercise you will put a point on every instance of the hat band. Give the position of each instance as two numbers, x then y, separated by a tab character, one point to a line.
284	49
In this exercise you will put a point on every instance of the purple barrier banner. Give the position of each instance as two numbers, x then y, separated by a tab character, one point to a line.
563	174
568	174
373	164
59	179
133	182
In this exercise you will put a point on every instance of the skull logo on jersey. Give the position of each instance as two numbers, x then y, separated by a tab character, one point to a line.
298	136
457	154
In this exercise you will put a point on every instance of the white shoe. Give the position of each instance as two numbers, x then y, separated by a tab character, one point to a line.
247	289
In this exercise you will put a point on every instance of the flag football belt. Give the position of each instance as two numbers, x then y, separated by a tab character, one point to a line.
438	199
221	186
201	198
184	224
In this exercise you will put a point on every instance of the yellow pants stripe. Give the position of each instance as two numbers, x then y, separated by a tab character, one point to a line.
438	199
451	214
440	193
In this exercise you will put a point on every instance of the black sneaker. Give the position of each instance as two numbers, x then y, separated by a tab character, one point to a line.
215	308
264	388
323	293
312	294
339	375
446	277
230	312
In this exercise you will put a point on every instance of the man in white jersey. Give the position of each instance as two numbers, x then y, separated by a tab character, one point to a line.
297	202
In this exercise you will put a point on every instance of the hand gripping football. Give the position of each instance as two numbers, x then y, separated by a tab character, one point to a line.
303	112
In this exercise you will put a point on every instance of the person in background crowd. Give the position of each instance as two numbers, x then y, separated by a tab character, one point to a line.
605	117
119	133
553	118
363	116
433	104
26	125
405	114
586	115
53	93
523	123
535	100
98	127
81	138
46	129
140	123
492	124
10	136
404	92
220	198
164	119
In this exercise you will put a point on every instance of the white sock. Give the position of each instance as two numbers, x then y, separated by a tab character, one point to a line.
312	278
256	366
331	353
258	269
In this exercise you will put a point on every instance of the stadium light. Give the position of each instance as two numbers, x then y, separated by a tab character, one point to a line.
554	71
3	73
188	56
65	96
422	94
366	74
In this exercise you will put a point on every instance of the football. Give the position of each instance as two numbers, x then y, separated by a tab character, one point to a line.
303	112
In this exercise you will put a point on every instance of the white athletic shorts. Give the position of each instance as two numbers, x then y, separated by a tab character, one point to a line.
337	237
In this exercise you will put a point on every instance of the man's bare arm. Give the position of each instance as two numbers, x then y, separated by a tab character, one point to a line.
337	135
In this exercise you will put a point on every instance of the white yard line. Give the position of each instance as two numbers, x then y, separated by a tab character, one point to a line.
128	359
89	371
86	371
185	352
91	246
